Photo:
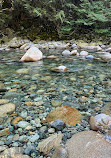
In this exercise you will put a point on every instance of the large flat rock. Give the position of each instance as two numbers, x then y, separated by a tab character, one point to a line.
68	115
88	144
6	109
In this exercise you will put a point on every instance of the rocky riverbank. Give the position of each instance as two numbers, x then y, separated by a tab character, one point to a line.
71	48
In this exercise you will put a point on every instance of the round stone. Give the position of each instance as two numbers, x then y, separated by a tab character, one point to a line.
58	125
23	114
66	53
34	138
51	130
68	115
23	124
83	53
91	57
88	144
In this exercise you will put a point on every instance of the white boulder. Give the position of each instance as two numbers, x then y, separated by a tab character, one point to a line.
106	56
32	54
83	53
100	122
74	52
108	49
66	53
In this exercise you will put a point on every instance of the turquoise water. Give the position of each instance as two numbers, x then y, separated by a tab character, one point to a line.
82	80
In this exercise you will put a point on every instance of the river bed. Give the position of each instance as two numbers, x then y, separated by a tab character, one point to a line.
86	86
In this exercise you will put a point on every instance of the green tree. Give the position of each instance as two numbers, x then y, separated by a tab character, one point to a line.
67	17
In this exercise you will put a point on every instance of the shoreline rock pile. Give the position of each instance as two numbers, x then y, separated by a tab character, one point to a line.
77	49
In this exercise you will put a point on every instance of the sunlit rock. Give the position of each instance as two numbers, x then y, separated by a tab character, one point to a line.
74	52
22	71
10	152
88	144
66	53
91	48
108	49
61	46
60	69
52	57
74	45
60	152
91	57
47	144
83	53
33	54
7	108
100	122
68	115
106	56
26	46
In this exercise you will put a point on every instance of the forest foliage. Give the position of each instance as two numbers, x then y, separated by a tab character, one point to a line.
68	18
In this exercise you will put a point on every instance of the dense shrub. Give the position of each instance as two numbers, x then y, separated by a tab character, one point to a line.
67	17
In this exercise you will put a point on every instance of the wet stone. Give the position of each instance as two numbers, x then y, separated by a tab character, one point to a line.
12	151
3	101
6	108
51	130
43	129
66	136
67	114
16	120
3	147
23	138
29	150
23	114
58	125
34	138
22	71
1	120
1	143
15	144
8	142
23	124
56	103
4	132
